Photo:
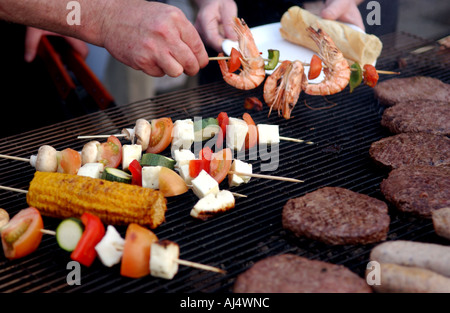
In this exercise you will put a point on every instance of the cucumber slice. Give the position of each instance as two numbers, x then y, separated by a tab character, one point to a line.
68	233
151	159
205	129
116	175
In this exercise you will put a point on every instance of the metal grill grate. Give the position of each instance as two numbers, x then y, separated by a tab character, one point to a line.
252	231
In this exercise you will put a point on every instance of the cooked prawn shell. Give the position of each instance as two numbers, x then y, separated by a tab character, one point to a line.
282	89
336	70
253	72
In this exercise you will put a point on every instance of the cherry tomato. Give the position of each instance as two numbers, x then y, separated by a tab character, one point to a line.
370	75
252	135
315	67
69	161
135	169
161	135
136	251
170	183
222	119
234	63
22	235
110	152
220	164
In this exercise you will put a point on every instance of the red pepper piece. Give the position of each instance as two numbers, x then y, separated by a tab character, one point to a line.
370	75
136	172
222	119
94	231
196	166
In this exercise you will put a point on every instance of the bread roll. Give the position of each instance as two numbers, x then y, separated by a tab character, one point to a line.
355	45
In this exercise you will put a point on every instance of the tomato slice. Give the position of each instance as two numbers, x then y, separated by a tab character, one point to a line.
136	251
196	166
370	75
135	169
94	230
161	135
170	183
315	67
252	135
234	63
22	235
69	161
206	153
220	164
110	152
223	120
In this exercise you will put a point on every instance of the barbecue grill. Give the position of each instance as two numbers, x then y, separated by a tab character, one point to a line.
237	239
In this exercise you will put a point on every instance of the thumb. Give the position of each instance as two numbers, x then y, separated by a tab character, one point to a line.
32	39
333	10
227	15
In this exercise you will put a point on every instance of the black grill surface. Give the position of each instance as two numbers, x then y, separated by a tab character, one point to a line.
251	231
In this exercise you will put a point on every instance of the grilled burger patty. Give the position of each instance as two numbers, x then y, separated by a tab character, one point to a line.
411	149
395	90
337	216
418	189
418	116
288	273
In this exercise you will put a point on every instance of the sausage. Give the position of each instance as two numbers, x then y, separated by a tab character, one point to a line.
404	279
429	256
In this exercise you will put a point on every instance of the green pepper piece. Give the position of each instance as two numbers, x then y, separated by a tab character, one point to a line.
274	56
356	76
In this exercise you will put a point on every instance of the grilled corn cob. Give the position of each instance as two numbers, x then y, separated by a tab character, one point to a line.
63	195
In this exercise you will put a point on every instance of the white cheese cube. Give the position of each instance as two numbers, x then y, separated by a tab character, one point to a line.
268	134
236	132
150	176
93	170
204	184
183	170
182	134
130	153
163	256
109	248
213	204
241	167
183	157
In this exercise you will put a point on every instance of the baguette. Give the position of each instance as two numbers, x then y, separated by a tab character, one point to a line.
356	46
429	256
441	222
404	279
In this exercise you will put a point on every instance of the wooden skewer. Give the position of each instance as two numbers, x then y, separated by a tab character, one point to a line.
292	180
295	140
304	64
13	189
100	136
4	156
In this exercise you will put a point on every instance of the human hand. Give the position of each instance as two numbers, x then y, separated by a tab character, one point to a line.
33	37
344	11
153	37
215	21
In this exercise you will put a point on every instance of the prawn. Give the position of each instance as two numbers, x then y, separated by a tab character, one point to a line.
336	70
253	72
282	89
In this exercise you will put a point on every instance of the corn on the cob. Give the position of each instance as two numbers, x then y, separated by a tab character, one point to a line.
63	195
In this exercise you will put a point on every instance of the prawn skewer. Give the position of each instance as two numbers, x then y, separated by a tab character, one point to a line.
336	70
252	73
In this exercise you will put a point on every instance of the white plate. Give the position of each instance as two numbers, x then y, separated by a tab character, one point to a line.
268	37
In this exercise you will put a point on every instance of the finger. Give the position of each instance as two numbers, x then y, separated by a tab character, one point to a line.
210	31
345	11
228	14
195	46
79	46
169	65
32	39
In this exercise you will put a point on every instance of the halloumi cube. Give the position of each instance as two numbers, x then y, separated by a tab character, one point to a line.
213	204
241	167
163	256
93	170
236	132
268	134
150	176
182	134
130	153
108	249
183	171
183	157
204	184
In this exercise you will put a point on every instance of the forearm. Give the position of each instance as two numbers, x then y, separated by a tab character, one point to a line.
52	15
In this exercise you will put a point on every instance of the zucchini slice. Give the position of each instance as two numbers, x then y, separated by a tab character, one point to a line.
116	175
68	233
205	129
151	159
